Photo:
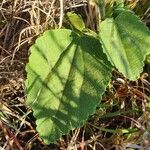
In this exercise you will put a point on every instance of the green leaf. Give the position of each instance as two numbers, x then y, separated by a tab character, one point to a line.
147	61
120	3
126	41
66	77
76	21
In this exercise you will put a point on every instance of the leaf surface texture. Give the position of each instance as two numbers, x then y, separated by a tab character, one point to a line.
66	77
126	41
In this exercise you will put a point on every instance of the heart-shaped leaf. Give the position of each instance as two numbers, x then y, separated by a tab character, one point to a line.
126	41
66	77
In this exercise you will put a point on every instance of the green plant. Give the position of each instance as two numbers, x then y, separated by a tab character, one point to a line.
69	70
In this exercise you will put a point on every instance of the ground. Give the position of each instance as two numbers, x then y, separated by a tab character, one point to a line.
122	119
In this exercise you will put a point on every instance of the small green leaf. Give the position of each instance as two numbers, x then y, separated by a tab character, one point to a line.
126	41
76	21
66	77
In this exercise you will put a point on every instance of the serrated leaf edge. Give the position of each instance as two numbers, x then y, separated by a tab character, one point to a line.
109	57
85	117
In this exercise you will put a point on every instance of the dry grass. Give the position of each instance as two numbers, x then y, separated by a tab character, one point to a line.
125	105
